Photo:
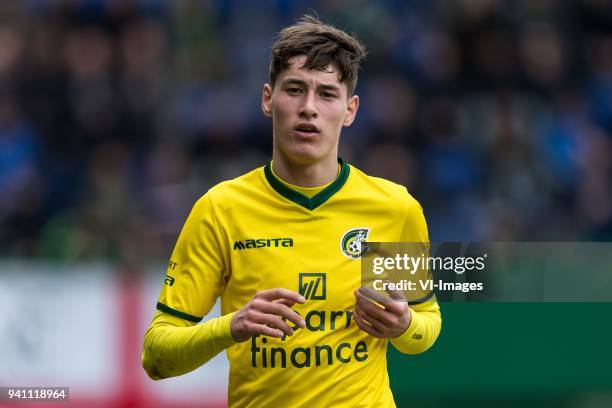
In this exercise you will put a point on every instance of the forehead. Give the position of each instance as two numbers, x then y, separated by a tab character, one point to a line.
315	77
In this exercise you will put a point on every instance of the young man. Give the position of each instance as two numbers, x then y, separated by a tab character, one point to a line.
278	246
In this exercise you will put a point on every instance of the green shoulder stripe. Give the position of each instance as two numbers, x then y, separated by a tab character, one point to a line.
317	199
176	313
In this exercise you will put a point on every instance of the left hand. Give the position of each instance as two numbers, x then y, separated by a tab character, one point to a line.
388	321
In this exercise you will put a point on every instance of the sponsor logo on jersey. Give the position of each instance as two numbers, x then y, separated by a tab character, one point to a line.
353	242
312	285
263	243
279	353
169	280
273	353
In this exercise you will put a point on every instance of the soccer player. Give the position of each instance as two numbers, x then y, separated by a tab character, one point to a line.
281	247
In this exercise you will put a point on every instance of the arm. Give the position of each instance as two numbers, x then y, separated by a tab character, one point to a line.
196	276
423	330
174	346
426	320
412	328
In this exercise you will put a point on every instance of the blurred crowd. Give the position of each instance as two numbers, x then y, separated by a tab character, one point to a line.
115	116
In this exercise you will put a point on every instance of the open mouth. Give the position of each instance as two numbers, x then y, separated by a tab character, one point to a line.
306	128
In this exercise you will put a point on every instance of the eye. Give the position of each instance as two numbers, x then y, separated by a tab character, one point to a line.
328	95
294	90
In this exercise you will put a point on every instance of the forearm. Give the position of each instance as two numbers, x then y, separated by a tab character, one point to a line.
173	346
423	331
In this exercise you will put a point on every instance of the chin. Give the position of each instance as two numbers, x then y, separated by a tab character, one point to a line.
304	152
305	158
304	155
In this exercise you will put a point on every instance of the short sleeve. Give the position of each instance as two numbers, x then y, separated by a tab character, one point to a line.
197	270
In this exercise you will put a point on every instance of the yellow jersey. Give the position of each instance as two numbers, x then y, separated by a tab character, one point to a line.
255	233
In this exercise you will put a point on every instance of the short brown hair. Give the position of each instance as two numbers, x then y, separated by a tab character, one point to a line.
323	45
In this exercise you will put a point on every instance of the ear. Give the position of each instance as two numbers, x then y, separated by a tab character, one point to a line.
266	98
351	110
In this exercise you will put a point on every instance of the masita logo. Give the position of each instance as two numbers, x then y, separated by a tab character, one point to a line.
353	241
169	280
263	243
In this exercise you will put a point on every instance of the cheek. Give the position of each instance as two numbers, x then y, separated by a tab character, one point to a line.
281	109
335	116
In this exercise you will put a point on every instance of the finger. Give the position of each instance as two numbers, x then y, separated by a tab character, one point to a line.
279	309
271	320
373	321
395	306
364	324
279	294
398	304
372	309
285	302
366	327
359	295
374	295
396	295
264	330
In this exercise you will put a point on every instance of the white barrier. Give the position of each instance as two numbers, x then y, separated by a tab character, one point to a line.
81	326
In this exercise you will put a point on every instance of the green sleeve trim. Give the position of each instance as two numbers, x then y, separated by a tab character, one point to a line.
317	199
176	313
423	299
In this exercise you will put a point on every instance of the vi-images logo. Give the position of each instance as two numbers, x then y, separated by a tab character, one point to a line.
312	285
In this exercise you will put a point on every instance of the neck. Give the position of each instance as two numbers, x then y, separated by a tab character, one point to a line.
305	175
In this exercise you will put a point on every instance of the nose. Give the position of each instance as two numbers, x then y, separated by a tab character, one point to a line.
308	108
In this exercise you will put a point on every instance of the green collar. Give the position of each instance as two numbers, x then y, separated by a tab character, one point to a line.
301	199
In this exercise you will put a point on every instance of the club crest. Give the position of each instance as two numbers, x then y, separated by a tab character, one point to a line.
353	242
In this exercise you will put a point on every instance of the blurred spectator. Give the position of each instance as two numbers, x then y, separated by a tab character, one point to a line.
116	116
21	186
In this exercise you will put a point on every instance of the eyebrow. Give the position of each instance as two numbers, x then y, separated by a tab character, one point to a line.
297	81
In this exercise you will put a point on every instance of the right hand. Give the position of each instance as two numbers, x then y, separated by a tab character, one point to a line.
264	314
